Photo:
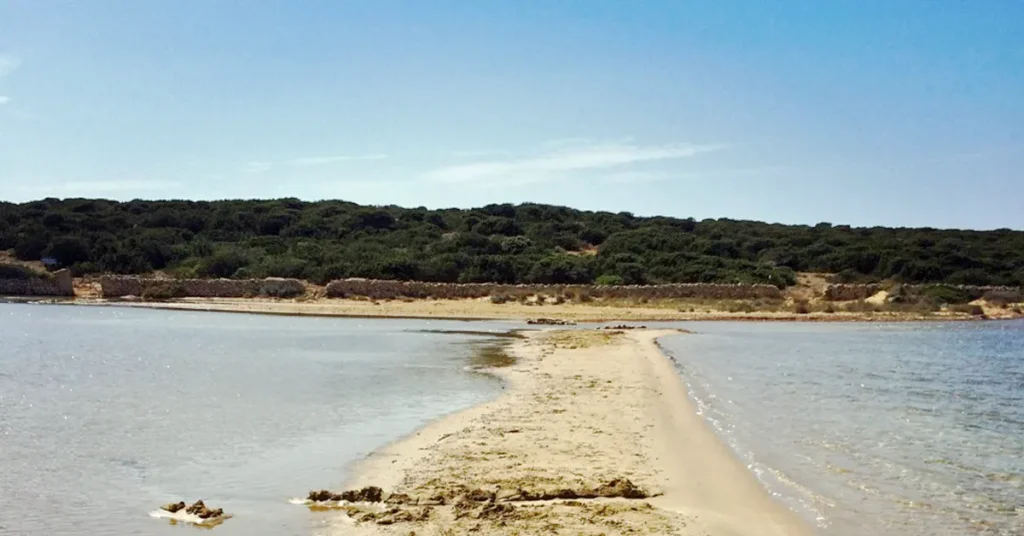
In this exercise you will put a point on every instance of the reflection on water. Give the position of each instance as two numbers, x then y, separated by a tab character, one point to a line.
913	429
105	413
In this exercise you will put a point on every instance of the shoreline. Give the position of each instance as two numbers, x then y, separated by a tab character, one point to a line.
470	310
581	410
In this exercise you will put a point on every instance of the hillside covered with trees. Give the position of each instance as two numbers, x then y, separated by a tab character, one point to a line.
529	243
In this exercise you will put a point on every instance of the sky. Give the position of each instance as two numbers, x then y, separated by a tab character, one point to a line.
868	112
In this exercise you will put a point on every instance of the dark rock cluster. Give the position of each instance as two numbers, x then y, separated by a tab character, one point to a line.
197	508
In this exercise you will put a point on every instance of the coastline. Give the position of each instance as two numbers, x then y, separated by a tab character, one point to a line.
481	309
581	410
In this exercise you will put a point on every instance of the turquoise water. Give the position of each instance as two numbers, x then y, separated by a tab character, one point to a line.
106	413
909	429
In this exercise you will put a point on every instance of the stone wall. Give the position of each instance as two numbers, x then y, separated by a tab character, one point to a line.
851	292
379	289
59	284
121	286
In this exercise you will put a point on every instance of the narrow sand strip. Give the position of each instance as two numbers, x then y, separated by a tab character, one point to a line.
583	411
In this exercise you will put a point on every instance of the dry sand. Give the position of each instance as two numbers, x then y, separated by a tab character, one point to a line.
483	309
581	410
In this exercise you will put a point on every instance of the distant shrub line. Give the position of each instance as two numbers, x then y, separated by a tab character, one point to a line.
507	244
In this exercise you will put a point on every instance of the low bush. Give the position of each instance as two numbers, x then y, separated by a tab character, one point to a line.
162	290
13	271
1003	297
966	308
947	295
801	307
609	280
500	299
860	306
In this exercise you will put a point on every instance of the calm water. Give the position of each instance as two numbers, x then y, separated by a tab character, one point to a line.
107	413
908	429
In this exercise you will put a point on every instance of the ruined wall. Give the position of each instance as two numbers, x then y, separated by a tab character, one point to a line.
59	284
860	292
850	292
379	289
120	286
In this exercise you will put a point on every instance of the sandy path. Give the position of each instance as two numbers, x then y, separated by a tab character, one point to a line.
581	409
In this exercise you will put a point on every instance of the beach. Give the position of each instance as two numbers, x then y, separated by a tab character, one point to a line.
593	434
484	309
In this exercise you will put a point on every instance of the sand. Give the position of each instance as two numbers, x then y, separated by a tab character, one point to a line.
584	413
483	309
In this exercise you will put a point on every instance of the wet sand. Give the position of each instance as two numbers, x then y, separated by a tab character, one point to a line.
585	413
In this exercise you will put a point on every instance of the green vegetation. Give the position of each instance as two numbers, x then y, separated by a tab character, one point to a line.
321	241
13	271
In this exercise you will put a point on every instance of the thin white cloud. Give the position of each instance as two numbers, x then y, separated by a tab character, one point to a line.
321	160
257	166
635	177
98	188
4	100
475	154
562	163
8	64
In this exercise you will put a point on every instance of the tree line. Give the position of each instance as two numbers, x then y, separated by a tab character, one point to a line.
527	243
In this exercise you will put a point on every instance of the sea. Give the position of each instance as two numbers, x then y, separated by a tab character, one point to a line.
108	413
910	429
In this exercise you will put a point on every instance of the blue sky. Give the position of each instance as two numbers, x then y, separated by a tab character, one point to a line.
861	112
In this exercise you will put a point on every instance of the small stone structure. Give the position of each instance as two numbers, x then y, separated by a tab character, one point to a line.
59	284
380	289
121	286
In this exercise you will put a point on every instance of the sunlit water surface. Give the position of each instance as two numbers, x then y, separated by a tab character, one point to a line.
107	413
904	429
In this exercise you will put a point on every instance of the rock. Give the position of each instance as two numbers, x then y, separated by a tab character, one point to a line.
438	499
367	494
399	498
494	510
507	495
196	508
173	507
207	514
320	496
621	487
550	322
480	495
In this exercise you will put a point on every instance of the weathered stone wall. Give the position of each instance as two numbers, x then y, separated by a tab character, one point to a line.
849	292
59	284
379	289
120	286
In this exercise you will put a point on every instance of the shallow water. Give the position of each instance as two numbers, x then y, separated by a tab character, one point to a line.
107	413
910	429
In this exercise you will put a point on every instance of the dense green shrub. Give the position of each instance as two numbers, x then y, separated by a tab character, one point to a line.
498	243
162	290
609	280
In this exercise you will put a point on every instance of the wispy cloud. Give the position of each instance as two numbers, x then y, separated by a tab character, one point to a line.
8	64
564	161
258	166
321	160
262	166
4	100
475	154
98	188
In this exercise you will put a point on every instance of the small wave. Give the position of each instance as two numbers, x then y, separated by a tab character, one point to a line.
183	517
